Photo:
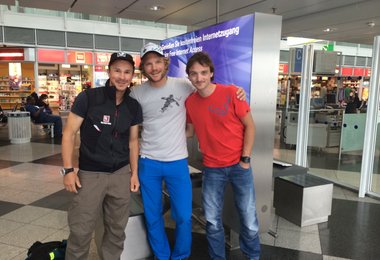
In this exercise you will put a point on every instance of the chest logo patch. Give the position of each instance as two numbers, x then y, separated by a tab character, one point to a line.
106	120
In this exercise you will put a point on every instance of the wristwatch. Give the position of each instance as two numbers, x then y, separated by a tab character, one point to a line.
245	159
65	171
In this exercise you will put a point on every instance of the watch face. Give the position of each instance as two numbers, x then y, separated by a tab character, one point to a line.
65	171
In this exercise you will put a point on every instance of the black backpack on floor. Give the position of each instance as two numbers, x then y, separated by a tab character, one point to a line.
47	251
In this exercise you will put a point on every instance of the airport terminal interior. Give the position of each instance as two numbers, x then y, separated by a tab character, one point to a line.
66	50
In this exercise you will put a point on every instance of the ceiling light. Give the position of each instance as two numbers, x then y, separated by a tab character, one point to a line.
371	24
291	41
156	8
330	29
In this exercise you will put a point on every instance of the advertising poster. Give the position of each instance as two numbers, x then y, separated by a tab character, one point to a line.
229	44
15	76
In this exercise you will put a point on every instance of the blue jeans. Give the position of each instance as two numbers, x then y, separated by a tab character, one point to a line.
213	189
176	176
57	120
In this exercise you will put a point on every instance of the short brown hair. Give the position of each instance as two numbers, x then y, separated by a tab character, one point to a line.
202	58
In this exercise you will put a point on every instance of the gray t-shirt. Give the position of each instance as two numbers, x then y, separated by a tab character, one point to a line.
163	136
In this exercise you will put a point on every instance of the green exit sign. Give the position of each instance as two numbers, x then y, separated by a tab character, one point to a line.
328	47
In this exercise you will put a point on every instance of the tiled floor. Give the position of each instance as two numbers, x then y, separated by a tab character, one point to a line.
33	207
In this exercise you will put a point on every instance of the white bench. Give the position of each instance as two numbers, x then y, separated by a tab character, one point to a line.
49	126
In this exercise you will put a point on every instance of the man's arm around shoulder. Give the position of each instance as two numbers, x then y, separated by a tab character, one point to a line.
189	130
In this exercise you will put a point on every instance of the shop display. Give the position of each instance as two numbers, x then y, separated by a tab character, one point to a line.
16	83
321	85
42	88
63	83
70	86
287	84
351	82
67	96
49	84
138	78
323	91
281	90
11	96
101	77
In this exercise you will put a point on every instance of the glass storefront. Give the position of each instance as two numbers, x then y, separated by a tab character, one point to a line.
336	127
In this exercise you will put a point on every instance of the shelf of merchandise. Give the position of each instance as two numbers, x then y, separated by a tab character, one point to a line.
10	97
42	82
49	85
352	83
67	95
137	78
76	80
53	89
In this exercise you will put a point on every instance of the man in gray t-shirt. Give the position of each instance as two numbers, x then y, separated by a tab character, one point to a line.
163	153
163	136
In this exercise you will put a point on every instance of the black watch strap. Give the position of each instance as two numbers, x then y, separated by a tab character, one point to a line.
245	159
65	171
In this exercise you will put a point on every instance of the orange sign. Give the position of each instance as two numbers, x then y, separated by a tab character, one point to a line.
283	68
358	71
347	71
51	56
79	57
102	58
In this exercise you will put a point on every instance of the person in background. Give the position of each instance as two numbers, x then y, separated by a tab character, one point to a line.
225	130
43	102
347	93
38	115
353	103
108	120
163	153
35	95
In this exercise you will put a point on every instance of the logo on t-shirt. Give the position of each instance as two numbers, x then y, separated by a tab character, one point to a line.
220	111
106	120
168	102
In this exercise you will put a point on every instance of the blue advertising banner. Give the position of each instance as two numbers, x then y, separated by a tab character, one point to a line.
298	60
229	44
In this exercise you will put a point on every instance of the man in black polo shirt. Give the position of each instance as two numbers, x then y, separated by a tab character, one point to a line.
108	121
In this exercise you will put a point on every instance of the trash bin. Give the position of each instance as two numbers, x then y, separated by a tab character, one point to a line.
19	127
